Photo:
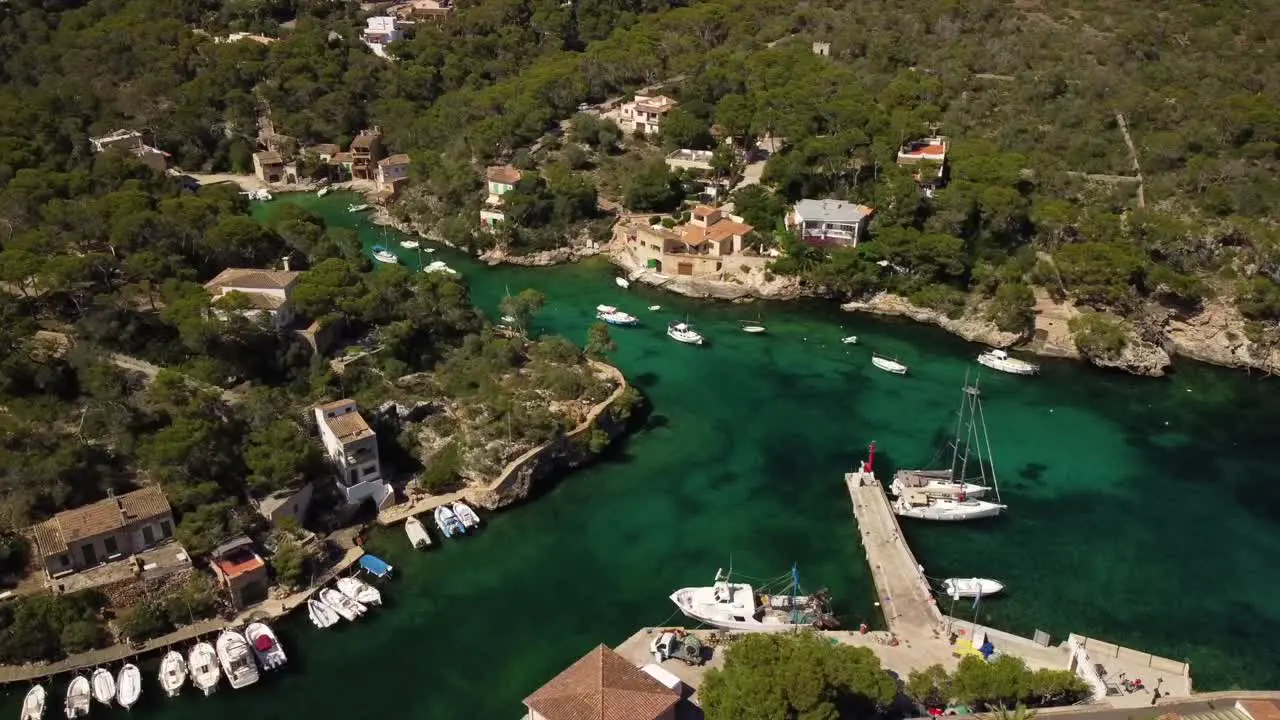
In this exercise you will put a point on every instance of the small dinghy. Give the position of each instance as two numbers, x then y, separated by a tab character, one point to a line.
752	327
465	514
202	663
173	673
236	659
346	607
409	244
655	308
360	591
33	703
128	686
79	694
104	686
957	588
850	340
448	522
417	533
888	365
322	616
357	207
266	646
622	282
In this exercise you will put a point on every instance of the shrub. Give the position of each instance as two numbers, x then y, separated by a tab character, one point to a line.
1098	335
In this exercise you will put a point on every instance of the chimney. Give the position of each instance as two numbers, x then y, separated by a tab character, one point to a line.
285	262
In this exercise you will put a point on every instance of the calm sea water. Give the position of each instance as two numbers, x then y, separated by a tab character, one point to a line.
1142	511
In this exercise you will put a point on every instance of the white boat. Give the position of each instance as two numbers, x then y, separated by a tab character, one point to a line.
104	686
956	588
934	483
737	606
33	703
386	256
360	591
622	282
922	507
417	533
850	340
346	607
202	663
683	332
448	523
322	616
466	515
439	266
889	365
1002	361
79	695
655	308
361	207
128	686
753	328
236	659
409	244
266	646
323	191
173	673
614	316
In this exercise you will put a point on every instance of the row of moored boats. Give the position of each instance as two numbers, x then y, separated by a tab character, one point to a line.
452	520
237	655
349	599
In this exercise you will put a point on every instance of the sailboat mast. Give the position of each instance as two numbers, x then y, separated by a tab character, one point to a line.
986	440
955	444
970	393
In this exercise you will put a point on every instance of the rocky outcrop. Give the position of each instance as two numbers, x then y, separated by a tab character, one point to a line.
558	256
1217	335
1138	357
972	325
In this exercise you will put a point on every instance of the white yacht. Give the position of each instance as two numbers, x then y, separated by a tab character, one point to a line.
684	333
409	244
934	483
888	365
466	515
1002	361
202	663
104	686
956	588
322	616
173	673
614	316
384	255
849	340
346	607
439	266
737	606
360	591
922	507
128	686
266	646
236	659
79	695
33	703
417	533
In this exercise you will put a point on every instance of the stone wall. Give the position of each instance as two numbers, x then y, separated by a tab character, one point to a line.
129	592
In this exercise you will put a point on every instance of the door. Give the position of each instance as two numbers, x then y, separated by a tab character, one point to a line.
89	553
148	536
684	269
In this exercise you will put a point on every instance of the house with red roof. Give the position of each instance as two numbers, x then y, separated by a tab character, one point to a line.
602	686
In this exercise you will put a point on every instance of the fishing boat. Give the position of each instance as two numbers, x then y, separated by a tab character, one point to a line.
466	515
346	607
79	694
409	244
128	686
322	616
361	592
448	522
1005	363
956	588
655	308
614	316
382	255
266	646
417	533
739	606
888	365
850	340
323	191
236	659
173	673
33	703
622	282
202	663
104	686
375	566
355	208
683	333
439	266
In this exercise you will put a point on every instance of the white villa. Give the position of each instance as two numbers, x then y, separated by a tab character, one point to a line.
829	222
268	292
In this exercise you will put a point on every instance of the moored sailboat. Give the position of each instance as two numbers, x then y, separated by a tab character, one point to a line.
888	365
739	606
683	333
202	663
173	673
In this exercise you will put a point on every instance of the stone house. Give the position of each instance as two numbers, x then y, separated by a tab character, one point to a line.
645	113
241	571
699	248
268	167
366	150
393	171
269	292
110	529
602	685
352	448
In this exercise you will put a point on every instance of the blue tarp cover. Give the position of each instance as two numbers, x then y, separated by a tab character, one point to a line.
375	565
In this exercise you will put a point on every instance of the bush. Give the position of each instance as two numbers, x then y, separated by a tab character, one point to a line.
1098	335
196	600
144	621
1007	682
290	563
943	298
1013	308
441	474
1259	299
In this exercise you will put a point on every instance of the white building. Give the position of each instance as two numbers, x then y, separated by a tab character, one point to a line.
829	222
268	292
352	447
381	30
645	113
500	180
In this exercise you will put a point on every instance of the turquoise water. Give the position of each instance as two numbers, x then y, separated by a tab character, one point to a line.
1141	511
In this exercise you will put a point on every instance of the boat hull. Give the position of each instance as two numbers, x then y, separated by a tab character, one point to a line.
1012	366
889	366
104	686
417	533
128	686
971	587
975	510
938	488
173	673
202	665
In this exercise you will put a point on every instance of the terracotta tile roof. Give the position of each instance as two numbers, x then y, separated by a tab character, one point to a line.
334	405
503	174
261	301
349	427
398	159
66	527
325	149
1261	709
364	141
269	158
602	686
344	157
694	235
253	279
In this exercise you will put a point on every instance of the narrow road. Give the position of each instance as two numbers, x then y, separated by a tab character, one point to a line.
1133	156
149	370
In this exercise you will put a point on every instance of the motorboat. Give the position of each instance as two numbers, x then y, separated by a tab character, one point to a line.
466	515
409	244
417	533
956	588
173	673
202	663
128	686
439	266
889	365
266	646
754	328
922	507
322	616
655	308
684	333
236	659
79	695
355	208
1002	361
323	191
614	316
104	686
508	319
360	591
622	282
448	522
738	606
934	483
33	703
383	255
346	607
850	340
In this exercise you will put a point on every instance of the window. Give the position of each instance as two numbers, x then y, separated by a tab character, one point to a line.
370	470
109	544
64	560
148	535
166	530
